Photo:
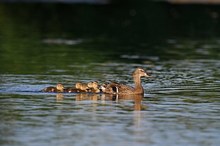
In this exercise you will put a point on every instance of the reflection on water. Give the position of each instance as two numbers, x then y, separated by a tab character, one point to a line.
105	97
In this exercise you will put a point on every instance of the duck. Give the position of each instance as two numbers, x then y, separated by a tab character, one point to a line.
82	87
117	88
77	88
93	87
59	88
71	90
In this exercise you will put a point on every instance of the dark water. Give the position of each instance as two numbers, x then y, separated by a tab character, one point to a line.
181	104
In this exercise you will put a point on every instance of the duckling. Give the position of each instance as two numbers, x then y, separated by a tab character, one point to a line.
78	85
90	84
59	88
93	87
105	89
102	88
82	87
71	90
117	88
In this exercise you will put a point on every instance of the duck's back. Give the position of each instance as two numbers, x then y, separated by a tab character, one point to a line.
124	89
116	88
50	89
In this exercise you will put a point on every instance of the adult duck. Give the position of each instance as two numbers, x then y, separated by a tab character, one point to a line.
117	88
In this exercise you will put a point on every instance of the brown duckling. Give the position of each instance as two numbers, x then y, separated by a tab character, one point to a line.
59	88
71	90
78	85
82	87
116	88
74	89
93	87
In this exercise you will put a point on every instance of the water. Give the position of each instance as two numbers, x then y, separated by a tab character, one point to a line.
181	104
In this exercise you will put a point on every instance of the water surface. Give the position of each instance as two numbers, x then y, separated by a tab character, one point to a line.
181	104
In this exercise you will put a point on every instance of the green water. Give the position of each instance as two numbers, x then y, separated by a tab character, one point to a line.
43	44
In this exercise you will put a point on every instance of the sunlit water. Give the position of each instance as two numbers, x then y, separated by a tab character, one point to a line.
181	104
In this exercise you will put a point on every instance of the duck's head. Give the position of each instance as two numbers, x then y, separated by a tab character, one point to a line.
90	84
140	72
93	85
78	85
60	87
84	86
103	87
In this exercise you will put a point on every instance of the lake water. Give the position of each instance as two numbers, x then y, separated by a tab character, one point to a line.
181	104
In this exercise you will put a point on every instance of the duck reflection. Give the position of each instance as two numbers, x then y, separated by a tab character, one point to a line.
59	97
137	99
92	97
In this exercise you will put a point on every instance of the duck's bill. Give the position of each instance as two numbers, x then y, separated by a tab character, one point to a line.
147	75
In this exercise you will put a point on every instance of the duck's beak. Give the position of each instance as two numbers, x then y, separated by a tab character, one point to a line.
146	75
